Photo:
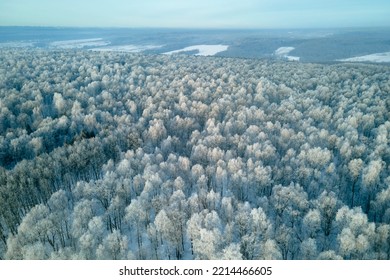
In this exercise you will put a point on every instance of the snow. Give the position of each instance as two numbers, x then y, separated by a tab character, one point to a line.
376	57
78	44
292	58
203	50
283	52
127	48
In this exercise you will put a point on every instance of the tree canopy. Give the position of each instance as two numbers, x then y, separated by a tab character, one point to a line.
131	156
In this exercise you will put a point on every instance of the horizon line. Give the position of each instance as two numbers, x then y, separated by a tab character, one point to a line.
192	28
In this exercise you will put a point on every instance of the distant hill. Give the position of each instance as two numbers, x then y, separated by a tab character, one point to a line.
307	45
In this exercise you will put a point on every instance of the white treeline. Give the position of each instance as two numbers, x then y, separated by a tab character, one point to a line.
128	156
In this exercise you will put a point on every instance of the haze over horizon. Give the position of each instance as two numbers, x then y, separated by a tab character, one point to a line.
196	13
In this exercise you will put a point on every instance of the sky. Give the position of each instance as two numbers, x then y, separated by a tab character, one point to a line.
196	13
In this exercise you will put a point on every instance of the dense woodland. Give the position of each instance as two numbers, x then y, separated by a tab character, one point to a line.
131	156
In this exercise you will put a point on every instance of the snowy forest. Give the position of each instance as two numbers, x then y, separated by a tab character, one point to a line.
133	156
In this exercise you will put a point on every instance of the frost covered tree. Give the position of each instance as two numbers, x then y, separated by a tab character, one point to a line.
135	156
356	233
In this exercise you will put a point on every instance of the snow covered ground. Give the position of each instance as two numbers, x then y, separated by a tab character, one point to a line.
376	57
204	50
127	48
283	52
79	44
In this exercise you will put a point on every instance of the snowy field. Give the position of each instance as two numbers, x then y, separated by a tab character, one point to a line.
376	57
203	50
79	44
127	48
283	52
